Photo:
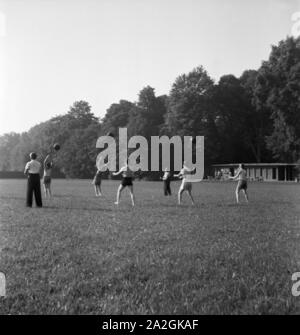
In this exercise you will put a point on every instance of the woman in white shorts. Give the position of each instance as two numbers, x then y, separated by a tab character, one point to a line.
186	185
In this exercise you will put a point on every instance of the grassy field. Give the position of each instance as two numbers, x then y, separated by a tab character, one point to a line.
82	255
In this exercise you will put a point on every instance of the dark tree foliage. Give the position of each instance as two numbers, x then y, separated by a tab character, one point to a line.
117	116
233	115
189	106
278	91
75	155
147	116
254	118
257	119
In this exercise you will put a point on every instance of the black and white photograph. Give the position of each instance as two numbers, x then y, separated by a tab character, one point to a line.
149	160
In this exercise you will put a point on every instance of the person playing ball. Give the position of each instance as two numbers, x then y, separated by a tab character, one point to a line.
167	180
186	185
241	175
97	183
48	165
127	176
97	180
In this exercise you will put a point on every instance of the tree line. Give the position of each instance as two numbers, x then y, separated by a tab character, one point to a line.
253	118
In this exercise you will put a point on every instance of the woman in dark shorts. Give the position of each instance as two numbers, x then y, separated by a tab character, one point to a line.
241	175
126	181
127	176
48	164
97	183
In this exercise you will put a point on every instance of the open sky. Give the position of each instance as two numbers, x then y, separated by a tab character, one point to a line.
54	52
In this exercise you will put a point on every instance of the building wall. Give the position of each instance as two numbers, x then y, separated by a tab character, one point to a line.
266	173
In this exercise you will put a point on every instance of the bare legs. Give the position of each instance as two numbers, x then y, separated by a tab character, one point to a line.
190	194
237	191
246	195
47	191
120	189
181	190
180	195
97	190
131	195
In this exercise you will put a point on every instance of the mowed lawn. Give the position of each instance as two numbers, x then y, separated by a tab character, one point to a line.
83	255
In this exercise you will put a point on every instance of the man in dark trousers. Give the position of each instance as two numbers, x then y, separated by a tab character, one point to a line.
167	180
32	171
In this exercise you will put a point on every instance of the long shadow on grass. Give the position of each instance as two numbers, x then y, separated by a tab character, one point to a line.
80	209
12	197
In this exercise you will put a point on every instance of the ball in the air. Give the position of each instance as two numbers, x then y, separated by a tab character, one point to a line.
56	146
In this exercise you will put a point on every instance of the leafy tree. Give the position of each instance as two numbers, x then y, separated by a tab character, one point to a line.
252	118
257	118
191	111
77	157
80	114
117	116
234	119
147	116
188	106
7	143
278	90
20	153
76	131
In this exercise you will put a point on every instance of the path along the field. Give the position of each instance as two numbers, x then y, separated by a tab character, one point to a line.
82	254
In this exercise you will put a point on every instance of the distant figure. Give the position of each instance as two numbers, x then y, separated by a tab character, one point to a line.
241	175
32	171
97	181
167	181
186	185
127	176
48	164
